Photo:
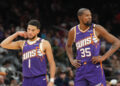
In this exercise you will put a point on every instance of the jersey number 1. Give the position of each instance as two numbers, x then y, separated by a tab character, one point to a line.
29	63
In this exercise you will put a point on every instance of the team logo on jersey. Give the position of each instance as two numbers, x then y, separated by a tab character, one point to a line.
83	42
86	41
33	53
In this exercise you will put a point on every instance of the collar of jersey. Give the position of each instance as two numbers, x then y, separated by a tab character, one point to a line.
32	42
82	30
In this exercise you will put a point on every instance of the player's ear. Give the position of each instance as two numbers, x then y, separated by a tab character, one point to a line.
38	31
79	17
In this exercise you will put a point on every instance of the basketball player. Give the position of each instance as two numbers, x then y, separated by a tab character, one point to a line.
86	36
35	52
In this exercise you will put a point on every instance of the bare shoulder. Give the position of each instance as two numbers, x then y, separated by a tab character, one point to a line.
45	44
71	33
99	27
72	29
105	34
71	36
100	30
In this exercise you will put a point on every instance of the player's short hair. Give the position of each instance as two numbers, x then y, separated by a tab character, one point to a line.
81	10
34	23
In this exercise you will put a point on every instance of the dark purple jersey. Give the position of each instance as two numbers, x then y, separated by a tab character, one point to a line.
87	44
34	60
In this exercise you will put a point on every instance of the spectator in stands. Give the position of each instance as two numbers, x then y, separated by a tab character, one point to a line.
118	84
2	78
13	82
62	79
71	83
7	67
115	64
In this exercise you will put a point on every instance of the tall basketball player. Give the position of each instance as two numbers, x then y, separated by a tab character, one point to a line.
86	36
35	52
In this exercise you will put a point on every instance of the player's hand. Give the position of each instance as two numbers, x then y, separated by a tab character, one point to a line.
22	34
96	59
50	84
76	63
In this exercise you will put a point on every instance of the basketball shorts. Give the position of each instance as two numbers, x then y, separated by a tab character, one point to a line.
90	75
35	81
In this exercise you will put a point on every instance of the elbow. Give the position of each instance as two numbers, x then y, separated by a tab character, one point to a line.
2	45
118	43
66	47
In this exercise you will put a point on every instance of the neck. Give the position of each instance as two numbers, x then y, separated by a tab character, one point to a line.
83	27
33	39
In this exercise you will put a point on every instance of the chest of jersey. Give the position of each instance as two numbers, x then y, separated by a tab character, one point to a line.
32	51
34	60
87	44
83	39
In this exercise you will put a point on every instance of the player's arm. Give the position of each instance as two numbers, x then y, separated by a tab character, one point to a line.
10	44
69	51
109	38
48	51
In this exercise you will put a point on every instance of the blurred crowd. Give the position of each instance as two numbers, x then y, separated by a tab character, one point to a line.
56	17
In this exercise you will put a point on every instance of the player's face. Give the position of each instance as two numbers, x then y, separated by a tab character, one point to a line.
32	31
86	18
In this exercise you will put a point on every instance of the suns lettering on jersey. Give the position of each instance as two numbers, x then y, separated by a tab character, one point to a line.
83	42
87	41
32	53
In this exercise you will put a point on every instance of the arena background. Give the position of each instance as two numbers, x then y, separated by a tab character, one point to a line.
56	17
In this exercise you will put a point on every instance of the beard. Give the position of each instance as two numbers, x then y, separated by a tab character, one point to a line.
88	23
32	38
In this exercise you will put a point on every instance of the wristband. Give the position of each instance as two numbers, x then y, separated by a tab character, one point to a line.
52	80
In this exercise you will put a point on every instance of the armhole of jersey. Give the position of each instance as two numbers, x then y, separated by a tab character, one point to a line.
23	45
95	32
74	33
41	47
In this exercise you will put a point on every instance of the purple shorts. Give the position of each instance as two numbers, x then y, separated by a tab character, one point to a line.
90	75
35	81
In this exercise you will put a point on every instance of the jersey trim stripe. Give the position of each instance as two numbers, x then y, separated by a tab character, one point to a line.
34	41
74	33
41	48
101	67
82	30
23	45
95	34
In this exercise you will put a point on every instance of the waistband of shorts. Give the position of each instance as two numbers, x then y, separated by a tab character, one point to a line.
86	62
34	76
